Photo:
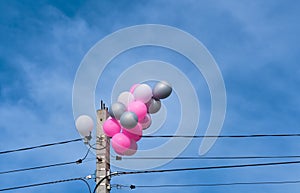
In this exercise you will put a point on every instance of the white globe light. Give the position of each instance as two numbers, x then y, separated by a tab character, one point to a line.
84	125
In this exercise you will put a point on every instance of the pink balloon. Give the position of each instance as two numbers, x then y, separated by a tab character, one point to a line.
132	149
134	133
120	153
111	127
120	143
139	108
138	129
146	122
133	87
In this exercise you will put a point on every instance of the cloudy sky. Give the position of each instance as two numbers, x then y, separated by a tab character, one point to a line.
255	44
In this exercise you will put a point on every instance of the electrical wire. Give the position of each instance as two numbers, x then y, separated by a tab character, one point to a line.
87	184
208	157
94	148
87	153
159	136
40	146
79	161
119	186
48	183
37	167
222	136
208	168
192	169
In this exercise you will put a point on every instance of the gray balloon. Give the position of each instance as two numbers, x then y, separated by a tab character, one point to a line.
162	90
153	105
116	110
129	120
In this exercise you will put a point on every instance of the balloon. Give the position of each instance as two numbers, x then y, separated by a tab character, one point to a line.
116	110
133	87
136	130
111	127
153	105
162	90
120	153
134	133
146	122
143	93
132	149
84	125
120	142
139	108
129	120
126	98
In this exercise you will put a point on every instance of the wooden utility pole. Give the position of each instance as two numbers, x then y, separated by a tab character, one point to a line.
102	152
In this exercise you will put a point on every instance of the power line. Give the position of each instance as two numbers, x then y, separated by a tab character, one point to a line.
40	146
193	169
159	136
47	183
79	161
118	186
37	167
208	168
208	157
222	136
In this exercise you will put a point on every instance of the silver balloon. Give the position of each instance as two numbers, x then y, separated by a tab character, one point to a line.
129	120
153	105
162	90
116	110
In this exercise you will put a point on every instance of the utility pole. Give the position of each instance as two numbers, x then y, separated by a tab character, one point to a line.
102	152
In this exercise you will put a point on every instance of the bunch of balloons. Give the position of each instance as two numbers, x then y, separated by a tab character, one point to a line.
130	115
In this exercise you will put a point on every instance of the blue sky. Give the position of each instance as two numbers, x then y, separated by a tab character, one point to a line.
255	44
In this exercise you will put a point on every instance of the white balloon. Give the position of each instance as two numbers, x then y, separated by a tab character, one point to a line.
126	98
142	93
84	125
